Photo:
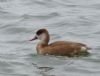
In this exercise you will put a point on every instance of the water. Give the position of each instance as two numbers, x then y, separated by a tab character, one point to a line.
75	20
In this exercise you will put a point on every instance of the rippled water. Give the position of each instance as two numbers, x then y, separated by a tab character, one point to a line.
76	20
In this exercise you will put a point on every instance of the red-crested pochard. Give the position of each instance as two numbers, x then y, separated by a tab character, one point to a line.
61	48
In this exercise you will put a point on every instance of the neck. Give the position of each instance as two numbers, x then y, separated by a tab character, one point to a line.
43	43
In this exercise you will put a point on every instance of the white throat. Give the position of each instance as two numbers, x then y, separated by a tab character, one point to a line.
41	42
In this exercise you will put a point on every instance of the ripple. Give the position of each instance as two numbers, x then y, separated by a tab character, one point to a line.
48	16
7	15
8	29
3	0
42	68
95	6
4	64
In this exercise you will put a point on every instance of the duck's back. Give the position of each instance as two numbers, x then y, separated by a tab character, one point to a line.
58	43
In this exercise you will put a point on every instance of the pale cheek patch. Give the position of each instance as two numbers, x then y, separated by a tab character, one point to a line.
42	36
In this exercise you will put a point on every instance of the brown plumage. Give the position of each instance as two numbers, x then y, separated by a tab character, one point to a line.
63	48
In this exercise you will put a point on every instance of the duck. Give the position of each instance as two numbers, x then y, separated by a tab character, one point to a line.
58	48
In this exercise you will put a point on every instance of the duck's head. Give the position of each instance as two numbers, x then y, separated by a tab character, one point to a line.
42	35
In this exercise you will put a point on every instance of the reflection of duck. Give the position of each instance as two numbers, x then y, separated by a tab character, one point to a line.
66	48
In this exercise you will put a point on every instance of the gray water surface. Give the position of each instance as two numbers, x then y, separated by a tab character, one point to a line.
73	20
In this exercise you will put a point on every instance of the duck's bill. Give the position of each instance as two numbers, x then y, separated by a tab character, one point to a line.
34	38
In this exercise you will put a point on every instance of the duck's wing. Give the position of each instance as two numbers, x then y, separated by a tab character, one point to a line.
58	43
63	48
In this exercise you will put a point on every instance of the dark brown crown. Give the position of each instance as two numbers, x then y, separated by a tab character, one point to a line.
40	31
